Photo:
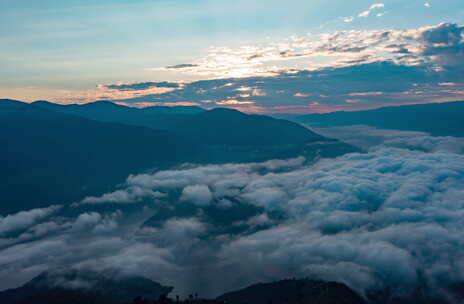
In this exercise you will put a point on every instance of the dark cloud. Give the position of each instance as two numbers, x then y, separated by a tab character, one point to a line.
445	44
142	86
406	65
181	66
323	90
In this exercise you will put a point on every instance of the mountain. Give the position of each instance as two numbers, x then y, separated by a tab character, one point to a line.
438	119
307	291
158	117
72	286
83	287
50	157
225	135
230	127
7	105
231	136
56	156
293	292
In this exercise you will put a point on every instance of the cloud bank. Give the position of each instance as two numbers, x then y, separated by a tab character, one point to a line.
391	217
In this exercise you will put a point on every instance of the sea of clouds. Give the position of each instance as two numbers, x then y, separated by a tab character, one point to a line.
391	217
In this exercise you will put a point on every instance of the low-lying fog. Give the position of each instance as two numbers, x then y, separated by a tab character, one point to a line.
393	216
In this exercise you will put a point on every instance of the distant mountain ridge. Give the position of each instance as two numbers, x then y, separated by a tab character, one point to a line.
110	287
83	287
438	119
158	117
61	156
294	291
50	157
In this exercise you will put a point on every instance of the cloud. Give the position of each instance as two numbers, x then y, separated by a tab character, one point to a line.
369	137
444	46
142	86
24	219
263	60
321	90
417	59
406	65
348	19
367	13
391	217
181	66
129	195
196	194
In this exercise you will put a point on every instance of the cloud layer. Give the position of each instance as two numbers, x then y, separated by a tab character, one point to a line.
390	217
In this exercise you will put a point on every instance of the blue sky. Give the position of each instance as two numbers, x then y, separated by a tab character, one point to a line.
69	50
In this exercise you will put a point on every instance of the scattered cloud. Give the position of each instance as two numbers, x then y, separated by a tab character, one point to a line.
305	74
348	19
142	86
180	66
24	219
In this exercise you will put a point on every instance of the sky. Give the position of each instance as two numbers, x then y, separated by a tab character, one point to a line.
258	56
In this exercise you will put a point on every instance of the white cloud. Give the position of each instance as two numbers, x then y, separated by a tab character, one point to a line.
197	194
24	219
129	195
367	13
348	19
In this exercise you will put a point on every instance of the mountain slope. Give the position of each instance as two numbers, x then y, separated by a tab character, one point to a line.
50	157
438	119
79	287
231	127
233	136
224	135
294	291
157	117
7	105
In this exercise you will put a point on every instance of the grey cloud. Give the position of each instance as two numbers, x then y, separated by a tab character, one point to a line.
197	194
24	219
405	64
445	45
323	90
129	195
181	66
142	86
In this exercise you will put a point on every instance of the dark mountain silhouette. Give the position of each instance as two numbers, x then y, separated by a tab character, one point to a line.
55	156
226	126
294	291
232	136
438	119
225	135
307	291
157	117
50	157
111	287
7	105
83	287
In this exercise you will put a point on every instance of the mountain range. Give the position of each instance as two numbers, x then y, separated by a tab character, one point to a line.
110	287
55	154
437	119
